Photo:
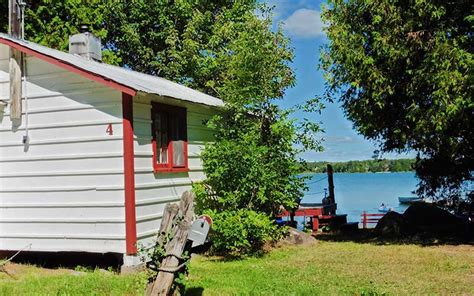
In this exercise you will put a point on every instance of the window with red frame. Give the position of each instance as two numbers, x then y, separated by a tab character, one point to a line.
170	147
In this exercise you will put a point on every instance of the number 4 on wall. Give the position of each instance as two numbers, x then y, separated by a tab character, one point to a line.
109	130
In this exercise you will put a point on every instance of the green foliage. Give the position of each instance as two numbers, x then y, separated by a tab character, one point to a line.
242	231
50	23
4	16
257	64
246	173
252	166
364	166
178	40
403	73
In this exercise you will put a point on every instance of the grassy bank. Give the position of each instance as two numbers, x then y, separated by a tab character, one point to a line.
324	268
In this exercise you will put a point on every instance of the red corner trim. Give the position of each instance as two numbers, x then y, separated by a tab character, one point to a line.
72	68
129	175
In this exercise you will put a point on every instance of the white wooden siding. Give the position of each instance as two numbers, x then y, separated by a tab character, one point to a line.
65	191
154	191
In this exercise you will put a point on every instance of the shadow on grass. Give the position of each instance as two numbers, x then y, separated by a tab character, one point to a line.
71	260
194	291
233	257
227	257
206	250
367	236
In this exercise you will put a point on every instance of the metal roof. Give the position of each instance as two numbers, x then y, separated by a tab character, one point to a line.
135	80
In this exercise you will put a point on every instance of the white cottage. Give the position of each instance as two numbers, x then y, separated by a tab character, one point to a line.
97	154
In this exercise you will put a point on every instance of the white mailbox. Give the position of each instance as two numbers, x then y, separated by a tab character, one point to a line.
199	230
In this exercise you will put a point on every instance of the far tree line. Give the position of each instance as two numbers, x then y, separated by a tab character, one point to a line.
364	166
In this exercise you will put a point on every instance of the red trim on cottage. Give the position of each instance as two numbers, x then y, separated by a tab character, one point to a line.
72	68
129	175
172	111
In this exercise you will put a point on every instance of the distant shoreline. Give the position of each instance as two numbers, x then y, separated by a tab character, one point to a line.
363	166
387	172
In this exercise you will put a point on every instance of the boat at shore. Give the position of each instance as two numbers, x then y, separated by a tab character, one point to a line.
409	199
384	209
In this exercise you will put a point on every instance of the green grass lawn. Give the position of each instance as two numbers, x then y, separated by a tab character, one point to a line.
325	268
32	280
335	268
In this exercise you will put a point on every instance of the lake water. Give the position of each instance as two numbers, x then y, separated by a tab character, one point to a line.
358	192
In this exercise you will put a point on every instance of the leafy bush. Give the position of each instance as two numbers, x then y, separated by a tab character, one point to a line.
243	172
242	232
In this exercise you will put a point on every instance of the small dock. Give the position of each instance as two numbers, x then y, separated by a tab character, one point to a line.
318	216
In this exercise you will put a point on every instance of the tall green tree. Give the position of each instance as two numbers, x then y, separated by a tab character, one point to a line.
252	168
403	71
252	161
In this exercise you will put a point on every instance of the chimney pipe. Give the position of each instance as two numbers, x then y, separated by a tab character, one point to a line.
85	44
83	28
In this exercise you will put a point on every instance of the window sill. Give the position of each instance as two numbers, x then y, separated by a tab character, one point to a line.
170	170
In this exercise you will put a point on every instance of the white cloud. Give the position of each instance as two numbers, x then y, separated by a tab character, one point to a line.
283	8
304	23
341	139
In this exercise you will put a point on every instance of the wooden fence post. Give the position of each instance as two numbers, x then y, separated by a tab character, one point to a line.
174	249
332	197
171	210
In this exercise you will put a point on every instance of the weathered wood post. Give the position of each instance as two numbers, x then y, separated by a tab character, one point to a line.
170	213
175	247
364	220
332	198
14	29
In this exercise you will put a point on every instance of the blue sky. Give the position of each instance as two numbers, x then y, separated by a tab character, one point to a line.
302	23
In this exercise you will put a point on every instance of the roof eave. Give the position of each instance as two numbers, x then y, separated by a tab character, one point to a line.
70	67
180	100
25	47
